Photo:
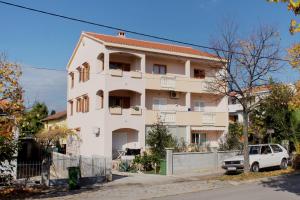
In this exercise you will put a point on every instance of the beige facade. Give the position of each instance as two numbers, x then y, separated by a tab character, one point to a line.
131	83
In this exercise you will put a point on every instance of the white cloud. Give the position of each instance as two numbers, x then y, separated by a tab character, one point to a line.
45	86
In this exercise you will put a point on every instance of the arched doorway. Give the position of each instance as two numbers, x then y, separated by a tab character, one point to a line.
122	139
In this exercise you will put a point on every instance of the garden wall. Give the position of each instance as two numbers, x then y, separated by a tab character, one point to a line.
196	162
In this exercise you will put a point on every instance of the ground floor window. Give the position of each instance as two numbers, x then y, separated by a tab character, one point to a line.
199	138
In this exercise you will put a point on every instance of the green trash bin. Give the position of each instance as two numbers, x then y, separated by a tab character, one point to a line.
163	167
74	175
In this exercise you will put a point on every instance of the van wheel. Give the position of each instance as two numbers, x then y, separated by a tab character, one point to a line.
283	164
255	167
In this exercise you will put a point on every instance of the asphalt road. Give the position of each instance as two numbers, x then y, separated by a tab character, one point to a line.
282	188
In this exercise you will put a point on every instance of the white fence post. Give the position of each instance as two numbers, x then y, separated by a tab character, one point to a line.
169	161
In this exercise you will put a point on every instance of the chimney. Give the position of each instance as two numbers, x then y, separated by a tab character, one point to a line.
121	34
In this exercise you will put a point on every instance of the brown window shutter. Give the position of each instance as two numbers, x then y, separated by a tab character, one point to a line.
126	102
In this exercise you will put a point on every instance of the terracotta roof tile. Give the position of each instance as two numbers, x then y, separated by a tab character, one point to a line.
149	44
57	115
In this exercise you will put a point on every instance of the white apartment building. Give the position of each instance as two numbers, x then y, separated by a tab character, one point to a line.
118	87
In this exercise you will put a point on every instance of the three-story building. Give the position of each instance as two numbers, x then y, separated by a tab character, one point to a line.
118	87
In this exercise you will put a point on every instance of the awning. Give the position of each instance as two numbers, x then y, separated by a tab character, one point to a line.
208	128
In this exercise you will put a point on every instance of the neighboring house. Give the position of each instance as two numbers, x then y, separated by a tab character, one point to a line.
57	119
117	88
235	108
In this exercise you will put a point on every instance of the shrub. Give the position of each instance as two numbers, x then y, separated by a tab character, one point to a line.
147	161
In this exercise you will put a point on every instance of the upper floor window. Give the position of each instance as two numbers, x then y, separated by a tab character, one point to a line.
159	104
78	105
119	65
86	72
79	70
199	73
86	104
199	106
71	79
71	107
159	69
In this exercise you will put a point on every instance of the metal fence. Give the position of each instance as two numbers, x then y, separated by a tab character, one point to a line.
55	169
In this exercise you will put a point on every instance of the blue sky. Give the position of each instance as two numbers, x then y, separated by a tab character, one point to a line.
44	41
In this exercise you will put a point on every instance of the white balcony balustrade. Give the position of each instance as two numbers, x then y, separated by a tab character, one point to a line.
209	118
168	82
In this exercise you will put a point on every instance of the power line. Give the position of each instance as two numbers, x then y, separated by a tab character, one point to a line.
127	30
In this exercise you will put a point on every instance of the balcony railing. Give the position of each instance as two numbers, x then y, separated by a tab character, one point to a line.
209	118
136	74
135	110
168	117
168	82
219	119
115	110
116	72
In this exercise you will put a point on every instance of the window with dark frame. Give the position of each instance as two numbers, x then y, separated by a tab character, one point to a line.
199	73
159	69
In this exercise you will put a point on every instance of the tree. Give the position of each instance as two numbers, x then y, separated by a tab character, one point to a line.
48	138
241	72
275	112
32	120
233	138
11	109
294	51
159	138
294	103
52	112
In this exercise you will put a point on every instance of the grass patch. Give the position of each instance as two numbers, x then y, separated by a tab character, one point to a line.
252	175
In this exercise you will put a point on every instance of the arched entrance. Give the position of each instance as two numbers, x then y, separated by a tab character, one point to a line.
122	139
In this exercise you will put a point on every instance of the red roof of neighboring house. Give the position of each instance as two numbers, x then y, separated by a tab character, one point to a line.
57	115
256	89
150	45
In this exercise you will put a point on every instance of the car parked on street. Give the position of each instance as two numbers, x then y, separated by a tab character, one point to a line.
260	156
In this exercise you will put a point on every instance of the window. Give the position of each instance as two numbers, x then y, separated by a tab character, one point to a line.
266	149
159	103
71	79
159	69
99	99
199	139
276	149
71	107
85	107
79	74
198	73
86	72
123	102
119	65
199	106
78	105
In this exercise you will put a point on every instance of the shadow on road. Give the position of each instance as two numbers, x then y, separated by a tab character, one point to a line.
87	186
288	183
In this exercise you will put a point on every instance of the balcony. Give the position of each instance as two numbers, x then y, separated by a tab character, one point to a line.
177	83
188	118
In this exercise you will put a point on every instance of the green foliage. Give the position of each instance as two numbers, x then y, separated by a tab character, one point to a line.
159	139
8	148
274	113
32	120
232	140
146	160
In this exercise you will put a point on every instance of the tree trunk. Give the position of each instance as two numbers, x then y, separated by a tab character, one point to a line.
245	134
